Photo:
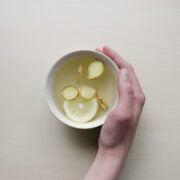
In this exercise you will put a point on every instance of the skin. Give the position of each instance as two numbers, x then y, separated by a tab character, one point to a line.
118	131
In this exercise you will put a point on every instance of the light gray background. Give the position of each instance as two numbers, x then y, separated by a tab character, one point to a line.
34	34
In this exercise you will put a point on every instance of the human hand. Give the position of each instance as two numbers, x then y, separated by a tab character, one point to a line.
119	128
120	125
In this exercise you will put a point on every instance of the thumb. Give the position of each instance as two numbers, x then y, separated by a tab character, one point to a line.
126	91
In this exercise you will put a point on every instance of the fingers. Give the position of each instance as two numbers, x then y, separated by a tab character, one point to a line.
139	96
123	64
99	49
115	57
126	101
139	103
138	92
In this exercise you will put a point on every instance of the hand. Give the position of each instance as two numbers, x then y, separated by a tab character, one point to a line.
121	123
119	128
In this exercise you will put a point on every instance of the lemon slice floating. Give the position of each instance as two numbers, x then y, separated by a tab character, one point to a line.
79	110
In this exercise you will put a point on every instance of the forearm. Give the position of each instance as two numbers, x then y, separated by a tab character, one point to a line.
107	164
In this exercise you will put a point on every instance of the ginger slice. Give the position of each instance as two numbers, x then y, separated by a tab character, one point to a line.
95	69
87	92
101	101
79	72
70	92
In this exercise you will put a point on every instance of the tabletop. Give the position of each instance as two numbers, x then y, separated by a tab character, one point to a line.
34	34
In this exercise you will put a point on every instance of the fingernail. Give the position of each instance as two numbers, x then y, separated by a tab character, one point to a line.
107	47
124	74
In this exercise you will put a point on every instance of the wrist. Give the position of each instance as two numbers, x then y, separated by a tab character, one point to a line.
114	158
107	164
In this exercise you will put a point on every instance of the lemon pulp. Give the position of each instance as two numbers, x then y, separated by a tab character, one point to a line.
81	110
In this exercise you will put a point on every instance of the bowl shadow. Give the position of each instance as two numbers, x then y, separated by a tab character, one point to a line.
86	138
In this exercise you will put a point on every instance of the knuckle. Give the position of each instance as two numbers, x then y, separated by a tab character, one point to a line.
118	117
140	98
125	118
130	67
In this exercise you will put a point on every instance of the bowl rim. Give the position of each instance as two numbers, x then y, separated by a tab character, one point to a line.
49	98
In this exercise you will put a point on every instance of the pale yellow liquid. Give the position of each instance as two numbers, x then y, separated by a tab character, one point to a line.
67	75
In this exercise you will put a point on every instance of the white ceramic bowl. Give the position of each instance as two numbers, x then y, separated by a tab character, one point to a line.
50	99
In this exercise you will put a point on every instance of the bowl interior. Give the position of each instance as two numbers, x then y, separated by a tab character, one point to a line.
58	112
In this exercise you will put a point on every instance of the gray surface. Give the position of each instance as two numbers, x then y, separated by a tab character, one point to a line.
34	34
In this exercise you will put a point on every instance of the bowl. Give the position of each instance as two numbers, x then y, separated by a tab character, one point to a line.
49	91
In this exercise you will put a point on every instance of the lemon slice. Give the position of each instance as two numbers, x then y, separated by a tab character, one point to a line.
79	110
